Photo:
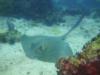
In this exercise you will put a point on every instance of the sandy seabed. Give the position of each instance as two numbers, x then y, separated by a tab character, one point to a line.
12	57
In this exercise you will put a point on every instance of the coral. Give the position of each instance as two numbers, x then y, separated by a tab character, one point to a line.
90	50
2	35
85	63
13	36
9	36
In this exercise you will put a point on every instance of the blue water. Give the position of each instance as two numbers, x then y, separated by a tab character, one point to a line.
40	10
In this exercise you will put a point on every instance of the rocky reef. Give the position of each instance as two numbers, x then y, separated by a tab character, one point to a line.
9	36
84	63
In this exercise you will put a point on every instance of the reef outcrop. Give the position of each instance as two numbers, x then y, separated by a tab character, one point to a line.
9	36
84	63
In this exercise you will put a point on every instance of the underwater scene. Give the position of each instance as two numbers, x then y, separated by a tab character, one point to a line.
49	37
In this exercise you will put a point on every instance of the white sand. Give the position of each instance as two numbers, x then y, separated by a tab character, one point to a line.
13	60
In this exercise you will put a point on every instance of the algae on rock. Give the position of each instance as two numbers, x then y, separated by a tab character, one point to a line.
9	36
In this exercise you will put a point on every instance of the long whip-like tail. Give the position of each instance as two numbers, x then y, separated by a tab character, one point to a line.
74	26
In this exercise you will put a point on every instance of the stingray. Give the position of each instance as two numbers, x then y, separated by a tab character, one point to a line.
45	48
48	48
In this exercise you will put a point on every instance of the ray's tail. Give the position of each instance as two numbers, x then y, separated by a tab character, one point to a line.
73	27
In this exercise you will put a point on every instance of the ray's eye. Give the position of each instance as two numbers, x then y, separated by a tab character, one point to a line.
42	48
39	49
